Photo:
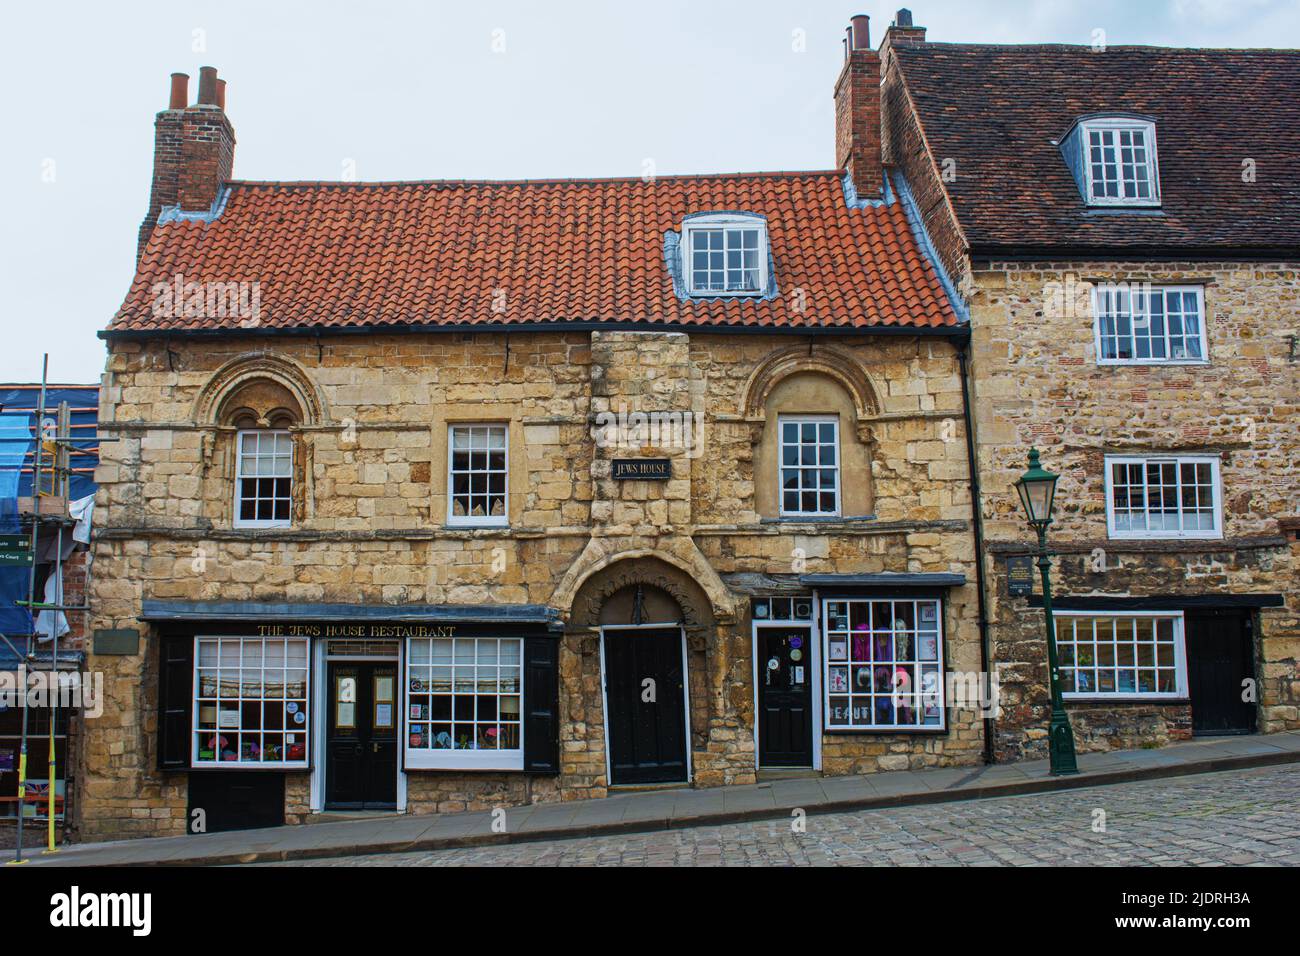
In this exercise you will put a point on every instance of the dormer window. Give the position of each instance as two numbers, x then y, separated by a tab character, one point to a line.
1118	160
725	254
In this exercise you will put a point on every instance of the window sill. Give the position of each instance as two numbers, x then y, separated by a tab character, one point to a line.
466	761
1128	536
818	519
1148	363
876	731
297	767
1125	699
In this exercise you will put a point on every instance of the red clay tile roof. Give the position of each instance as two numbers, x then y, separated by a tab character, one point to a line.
332	255
995	110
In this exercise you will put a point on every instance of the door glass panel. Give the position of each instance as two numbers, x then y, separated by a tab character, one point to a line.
345	702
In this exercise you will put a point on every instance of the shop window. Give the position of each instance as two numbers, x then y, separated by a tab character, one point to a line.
263	479
251	703
810	465
884	665
37	797
463	703
477	470
1119	656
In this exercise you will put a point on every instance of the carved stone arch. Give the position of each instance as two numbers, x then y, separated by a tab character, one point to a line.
688	579
831	362
813	381
218	398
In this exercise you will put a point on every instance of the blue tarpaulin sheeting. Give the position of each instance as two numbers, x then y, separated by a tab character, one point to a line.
83	403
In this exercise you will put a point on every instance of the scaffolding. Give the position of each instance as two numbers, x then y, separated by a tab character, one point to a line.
46	510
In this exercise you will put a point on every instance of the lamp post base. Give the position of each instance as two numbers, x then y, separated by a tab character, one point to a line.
1061	746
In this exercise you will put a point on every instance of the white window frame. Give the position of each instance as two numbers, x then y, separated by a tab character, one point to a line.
239	476
830	662
1180	691
306	703
1151	289
725	222
1216	489
1115	125
781	422
428	758
479	521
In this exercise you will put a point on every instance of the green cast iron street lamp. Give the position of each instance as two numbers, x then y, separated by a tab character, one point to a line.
1037	488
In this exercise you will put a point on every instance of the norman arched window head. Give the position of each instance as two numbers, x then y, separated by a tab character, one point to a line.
725	254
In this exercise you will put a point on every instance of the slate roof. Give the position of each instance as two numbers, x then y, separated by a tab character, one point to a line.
996	110
482	254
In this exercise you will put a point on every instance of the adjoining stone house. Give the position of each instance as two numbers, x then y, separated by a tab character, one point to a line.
438	495
1124	225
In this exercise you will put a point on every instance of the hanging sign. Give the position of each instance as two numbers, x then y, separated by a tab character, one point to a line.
642	469
15	550
1020	576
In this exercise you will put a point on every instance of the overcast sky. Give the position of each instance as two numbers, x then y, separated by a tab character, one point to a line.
443	90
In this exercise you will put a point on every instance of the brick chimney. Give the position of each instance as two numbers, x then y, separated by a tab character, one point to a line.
194	149
902	32
857	111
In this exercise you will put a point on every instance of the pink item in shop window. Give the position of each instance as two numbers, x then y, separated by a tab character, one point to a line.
862	646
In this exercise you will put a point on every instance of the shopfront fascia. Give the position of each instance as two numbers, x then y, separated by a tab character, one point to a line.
357	697
847	655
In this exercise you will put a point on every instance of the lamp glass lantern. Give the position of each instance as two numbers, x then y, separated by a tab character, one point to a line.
1037	488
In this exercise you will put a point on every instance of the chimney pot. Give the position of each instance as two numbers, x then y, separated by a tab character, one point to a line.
903	18
861	32
221	95
180	96
207	86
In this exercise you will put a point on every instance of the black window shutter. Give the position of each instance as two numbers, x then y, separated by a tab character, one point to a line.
542	705
175	698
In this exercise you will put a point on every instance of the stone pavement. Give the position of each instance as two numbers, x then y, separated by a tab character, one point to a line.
1247	817
671	809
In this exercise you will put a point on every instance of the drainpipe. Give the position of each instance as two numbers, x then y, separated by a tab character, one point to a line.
977	525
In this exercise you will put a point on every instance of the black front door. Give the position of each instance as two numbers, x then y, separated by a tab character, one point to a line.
1220	658
785	731
644	697
361	751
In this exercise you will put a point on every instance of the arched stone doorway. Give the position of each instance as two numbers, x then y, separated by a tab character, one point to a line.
643	630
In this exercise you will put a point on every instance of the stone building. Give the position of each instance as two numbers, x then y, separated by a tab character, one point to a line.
1128	247
441	495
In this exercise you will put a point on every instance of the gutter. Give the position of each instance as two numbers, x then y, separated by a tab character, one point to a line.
1161	253
958	331
977	530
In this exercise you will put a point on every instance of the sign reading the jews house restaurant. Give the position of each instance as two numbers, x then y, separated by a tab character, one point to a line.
642	469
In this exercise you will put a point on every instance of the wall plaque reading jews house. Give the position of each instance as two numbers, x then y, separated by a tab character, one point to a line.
642	469
1020	576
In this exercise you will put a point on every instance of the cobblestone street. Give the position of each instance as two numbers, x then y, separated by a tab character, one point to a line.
1249	817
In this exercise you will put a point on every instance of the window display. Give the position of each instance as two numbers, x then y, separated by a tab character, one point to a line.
463	703
250	701
884	664
1121	655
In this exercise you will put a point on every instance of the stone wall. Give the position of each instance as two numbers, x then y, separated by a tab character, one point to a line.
1038	383
371	506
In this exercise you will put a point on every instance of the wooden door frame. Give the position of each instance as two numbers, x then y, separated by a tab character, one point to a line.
814	638
686	696
320	723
